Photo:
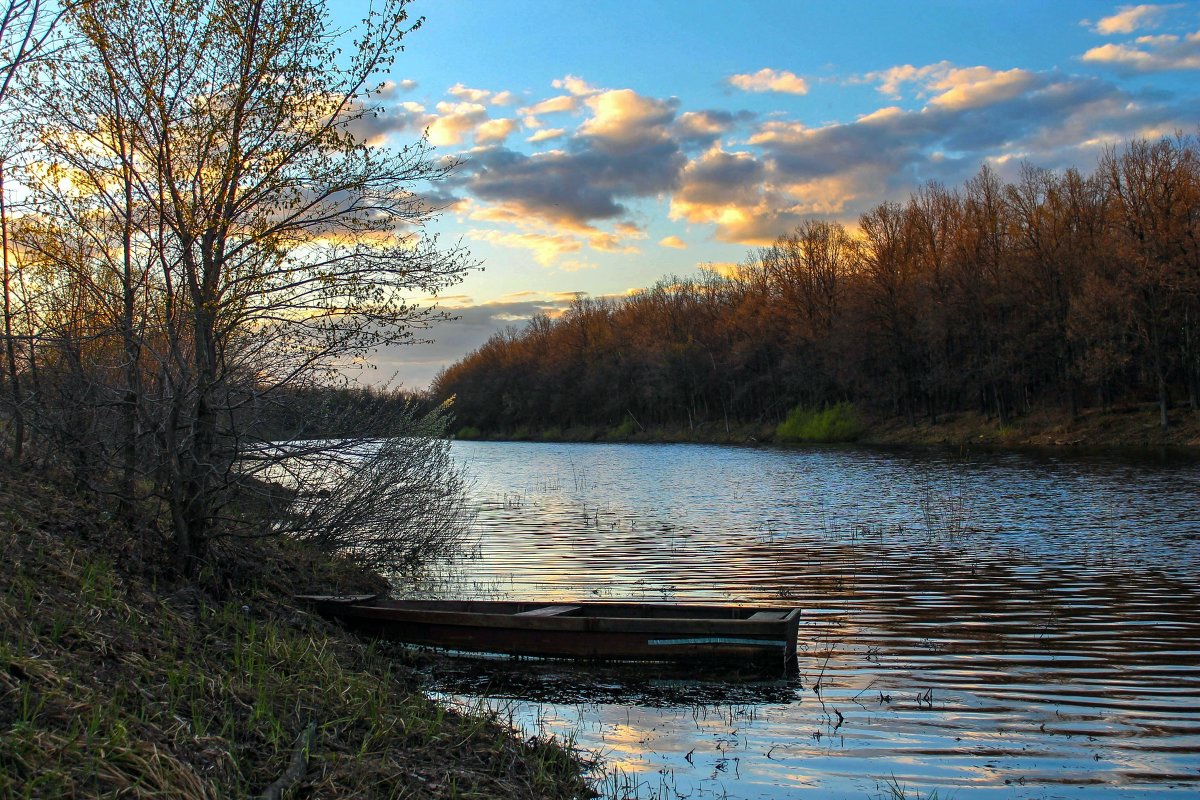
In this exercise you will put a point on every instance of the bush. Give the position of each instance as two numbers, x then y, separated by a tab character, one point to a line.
468	432
622	431
838	423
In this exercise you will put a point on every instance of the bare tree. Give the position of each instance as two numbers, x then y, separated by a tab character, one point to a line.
241	233
26	26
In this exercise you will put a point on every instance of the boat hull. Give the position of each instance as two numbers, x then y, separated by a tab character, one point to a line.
589	631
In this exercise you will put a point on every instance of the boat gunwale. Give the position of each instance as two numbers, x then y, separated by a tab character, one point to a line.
509	615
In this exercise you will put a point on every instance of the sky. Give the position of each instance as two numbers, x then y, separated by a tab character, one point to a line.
604	145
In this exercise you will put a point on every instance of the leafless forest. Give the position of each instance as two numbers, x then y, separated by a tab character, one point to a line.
1062	289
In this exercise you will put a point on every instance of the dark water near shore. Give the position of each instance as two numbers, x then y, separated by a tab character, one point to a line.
994	625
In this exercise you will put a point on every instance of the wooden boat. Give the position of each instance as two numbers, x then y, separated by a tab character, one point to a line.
602	631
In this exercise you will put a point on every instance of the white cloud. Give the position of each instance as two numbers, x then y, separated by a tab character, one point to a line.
455	121
979	86
552	105
891	79
548	133
1131	18
495	131
1150	54
769	80
469	95
574	85
623	116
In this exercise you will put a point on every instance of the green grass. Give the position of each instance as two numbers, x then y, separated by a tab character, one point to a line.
837	423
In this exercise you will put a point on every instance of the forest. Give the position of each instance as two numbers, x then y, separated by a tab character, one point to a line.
1059	290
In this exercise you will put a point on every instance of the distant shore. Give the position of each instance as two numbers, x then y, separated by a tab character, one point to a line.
1128	427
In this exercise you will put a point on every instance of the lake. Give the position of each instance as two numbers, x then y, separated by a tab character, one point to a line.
979	625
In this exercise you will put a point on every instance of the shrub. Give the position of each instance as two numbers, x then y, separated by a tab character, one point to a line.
622	431
837	423
468	432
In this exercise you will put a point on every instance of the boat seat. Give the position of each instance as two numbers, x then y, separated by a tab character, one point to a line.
764	616
547	611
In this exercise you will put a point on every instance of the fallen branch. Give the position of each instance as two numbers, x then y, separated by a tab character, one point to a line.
296	767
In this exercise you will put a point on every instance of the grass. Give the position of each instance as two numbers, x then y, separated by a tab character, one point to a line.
892	789
837	423
115	681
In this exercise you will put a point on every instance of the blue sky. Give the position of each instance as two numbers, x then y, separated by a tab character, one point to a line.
606	144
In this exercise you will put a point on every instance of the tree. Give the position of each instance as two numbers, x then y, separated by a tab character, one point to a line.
255	239
26	26
1156	233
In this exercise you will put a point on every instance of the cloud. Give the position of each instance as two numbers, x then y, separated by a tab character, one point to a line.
673	242
623	150
547	134
951	86
545	247
469	95
389	89
1150	54
732	192
454	121
623	119
553	105
891	79
979	86
769	80
703	128
574	85
1131	18
580	194
726	269
495	131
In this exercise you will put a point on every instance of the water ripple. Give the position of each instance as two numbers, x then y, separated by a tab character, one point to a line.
1007	625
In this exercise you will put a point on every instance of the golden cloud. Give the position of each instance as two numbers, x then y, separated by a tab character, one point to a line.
1150	53
455	121
552	105
545	247
623	115
1129	18
495	130
973	87
574	85
548	133
673	242
769	80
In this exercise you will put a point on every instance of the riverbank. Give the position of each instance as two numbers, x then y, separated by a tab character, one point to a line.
114	679
1134	426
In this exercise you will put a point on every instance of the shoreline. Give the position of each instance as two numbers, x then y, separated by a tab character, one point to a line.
1127	429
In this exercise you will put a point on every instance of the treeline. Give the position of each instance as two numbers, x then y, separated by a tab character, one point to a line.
1061	289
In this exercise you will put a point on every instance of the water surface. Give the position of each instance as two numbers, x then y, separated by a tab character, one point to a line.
992	625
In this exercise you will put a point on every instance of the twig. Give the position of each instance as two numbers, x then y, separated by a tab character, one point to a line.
296	767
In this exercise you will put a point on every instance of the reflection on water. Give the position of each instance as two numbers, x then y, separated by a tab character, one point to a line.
1006	625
